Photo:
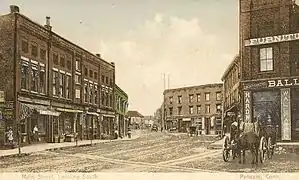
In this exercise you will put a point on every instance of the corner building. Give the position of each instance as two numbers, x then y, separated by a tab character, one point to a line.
53	83
269	49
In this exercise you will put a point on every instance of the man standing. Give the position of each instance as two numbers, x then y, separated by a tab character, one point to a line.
35	133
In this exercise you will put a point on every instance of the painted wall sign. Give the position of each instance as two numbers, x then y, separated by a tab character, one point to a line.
283	82
285	114
272	39
247	106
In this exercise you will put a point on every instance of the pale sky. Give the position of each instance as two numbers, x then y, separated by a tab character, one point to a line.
191	40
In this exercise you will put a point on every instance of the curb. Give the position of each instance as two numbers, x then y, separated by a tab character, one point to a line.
62	148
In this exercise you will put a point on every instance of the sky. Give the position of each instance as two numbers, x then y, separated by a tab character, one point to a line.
190	41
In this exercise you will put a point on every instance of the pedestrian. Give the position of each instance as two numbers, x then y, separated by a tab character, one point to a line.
115	133
10	137
35	133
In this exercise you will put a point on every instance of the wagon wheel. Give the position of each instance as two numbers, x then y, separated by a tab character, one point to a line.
226	149
263	149
270	148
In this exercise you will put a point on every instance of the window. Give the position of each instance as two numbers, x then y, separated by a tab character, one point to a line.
69	64
179	99
78	65
95	75
90	93
103	78
198	97
198	109
68	86
218	96
24	75
103	98
78	94
43	54
111	82
266	59
55	83
170	100
34	51
42	79
95	94
62	60
77	79
90	73
179	110
218	108
55	58
25	47
85	92
61	85
190	98
107	99
106	80
170	111
207	110
85	72
207	96
190	109
34	78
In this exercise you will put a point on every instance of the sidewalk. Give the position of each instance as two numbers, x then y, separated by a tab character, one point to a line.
52	146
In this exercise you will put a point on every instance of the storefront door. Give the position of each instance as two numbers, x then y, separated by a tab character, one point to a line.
207	125
295	115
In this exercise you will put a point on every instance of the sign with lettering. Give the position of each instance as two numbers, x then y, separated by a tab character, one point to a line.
283	82
2	99
272	39
285	114
247	106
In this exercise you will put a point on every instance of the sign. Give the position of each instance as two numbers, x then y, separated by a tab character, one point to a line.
2	99
283	82
285	114
272	39
247	106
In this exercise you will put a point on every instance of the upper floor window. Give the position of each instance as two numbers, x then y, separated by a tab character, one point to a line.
34	51
95	75
207	96
85	72
68	86
198	109
55	83
106	80
34	79
43	54
42	79
55	58
170	100
179	99
190	98
77	65
198	97
24	75
207	110
218	108
90	73
218	96
179	110
266	59
25	47
77	79
69	64
62	61
190	109
170	111
103	78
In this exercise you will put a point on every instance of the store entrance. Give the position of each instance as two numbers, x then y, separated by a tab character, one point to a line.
295	115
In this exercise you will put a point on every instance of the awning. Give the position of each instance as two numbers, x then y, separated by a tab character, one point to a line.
69	110
108	115
92	113
43	110
186	119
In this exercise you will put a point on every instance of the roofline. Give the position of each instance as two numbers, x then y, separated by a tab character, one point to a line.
68	41
230	66
189	87
122	91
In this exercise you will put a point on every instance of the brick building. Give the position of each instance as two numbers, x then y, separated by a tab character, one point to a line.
231	95
269	50
52	82
121	109
199	106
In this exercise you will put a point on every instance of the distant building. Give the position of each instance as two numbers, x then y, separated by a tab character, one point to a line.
121	109
199	106
231	94
158	116
149	120
135	118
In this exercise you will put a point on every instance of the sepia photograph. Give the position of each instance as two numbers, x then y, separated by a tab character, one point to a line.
149	86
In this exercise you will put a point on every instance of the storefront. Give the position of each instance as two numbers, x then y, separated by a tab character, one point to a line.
277	100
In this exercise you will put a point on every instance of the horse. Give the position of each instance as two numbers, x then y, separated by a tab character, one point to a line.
248	140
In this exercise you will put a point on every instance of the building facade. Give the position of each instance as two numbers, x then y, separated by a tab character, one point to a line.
231	95
121	109
53	83
269	50
199	106
135	119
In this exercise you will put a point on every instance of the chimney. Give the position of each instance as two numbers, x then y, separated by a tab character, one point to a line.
112	63
14	9
48	24
98	55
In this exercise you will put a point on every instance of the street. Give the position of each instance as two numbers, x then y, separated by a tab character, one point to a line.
151	152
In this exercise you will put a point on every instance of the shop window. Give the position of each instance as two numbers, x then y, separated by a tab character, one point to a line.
24	75
61	85
62	60
68	86
55	58
41	124
55	83
43	54
190	109
207	110
42	79
25	47
34	51
34	78
266	59
198	109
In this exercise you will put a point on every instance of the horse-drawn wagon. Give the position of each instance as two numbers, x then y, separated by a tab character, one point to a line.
257	137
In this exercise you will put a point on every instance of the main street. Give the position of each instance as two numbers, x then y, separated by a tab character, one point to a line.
151	152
